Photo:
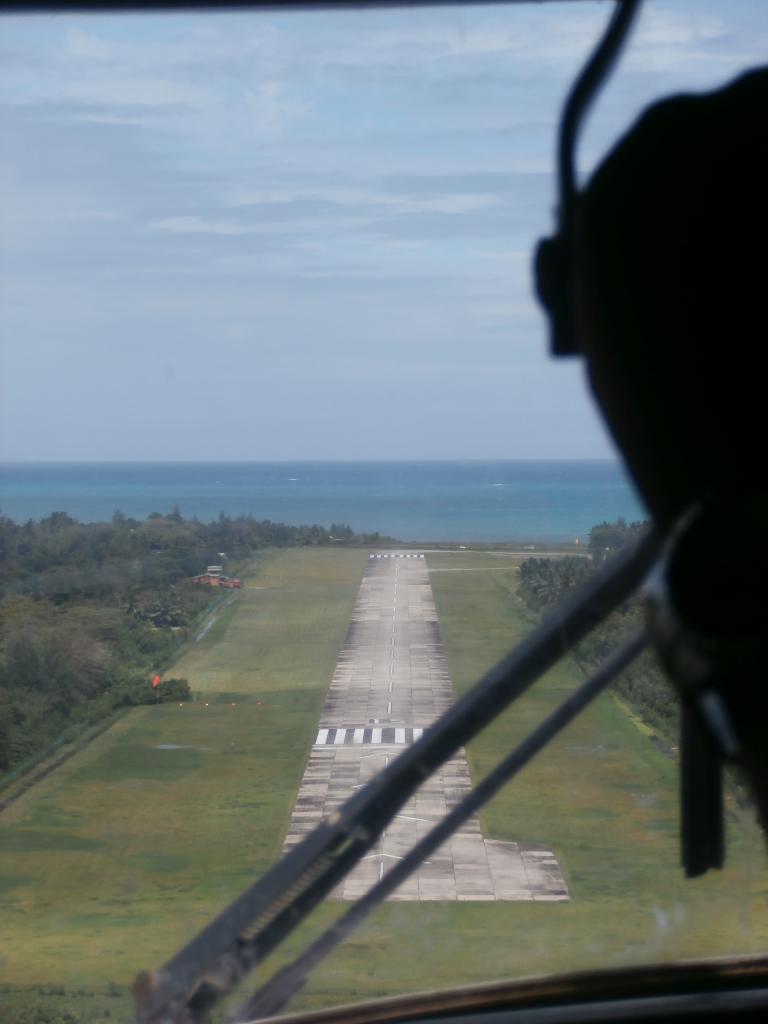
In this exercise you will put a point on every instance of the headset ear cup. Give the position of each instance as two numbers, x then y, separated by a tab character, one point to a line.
553	286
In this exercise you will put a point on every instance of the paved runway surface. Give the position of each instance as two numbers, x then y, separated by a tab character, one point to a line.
390	683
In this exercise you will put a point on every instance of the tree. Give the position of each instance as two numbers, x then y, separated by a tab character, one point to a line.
606	539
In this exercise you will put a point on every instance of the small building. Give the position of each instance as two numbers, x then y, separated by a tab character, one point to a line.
212	577
206	579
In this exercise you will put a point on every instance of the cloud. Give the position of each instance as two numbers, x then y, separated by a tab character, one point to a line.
364	185
691	44
366	198
88	45
198	226
109	90
272	103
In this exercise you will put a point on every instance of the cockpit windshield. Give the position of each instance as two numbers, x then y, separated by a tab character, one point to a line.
285	467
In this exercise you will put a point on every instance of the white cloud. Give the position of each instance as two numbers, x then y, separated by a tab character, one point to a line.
376	202
198	226
271	103
327	169
110	90
87	45
679	43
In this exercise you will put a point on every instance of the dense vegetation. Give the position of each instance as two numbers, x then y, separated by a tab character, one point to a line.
545	582
88	611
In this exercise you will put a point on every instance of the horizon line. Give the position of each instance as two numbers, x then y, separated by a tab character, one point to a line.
304	461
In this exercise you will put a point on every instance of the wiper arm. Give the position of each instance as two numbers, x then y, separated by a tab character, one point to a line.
289	980
186	988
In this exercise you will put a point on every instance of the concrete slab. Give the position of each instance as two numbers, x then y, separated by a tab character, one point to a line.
390	683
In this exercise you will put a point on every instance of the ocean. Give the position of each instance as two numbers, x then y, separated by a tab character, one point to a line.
415	501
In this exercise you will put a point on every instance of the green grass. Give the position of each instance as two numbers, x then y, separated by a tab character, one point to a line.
276	632
123	853
602	796
457	561
127	850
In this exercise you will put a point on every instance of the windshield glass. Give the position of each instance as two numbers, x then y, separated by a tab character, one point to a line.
286	467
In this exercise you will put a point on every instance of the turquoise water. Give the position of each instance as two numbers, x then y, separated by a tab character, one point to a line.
410	500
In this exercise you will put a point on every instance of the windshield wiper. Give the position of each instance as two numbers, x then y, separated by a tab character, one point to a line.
289	980
185	989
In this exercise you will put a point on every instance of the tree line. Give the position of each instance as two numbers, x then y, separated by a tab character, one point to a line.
545	582
89	611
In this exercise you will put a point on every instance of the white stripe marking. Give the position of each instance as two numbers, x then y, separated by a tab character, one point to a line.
340	737
358	736
399	735
322	736
417	734
375	735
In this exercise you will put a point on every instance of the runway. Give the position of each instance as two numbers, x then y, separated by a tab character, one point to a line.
390	683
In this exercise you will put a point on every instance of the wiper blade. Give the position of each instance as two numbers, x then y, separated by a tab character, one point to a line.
186	988
273	996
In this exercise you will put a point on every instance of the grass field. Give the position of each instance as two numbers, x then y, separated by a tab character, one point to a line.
603	797
125	851
113	862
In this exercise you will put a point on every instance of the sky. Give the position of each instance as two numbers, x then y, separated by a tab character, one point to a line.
306	235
